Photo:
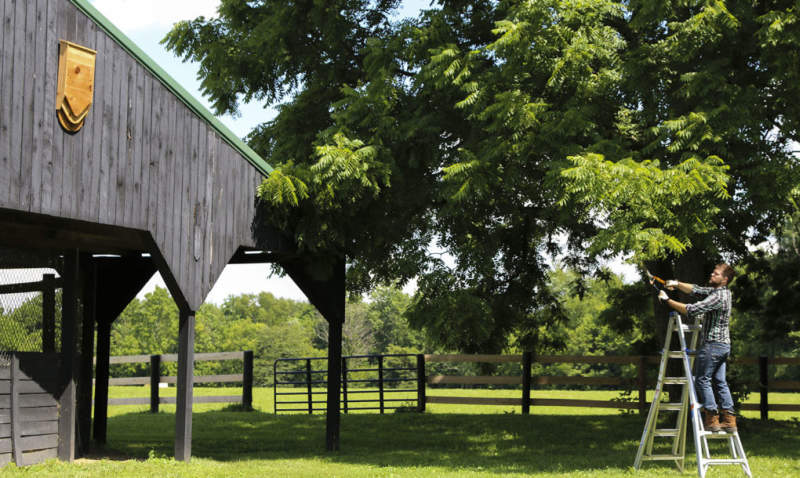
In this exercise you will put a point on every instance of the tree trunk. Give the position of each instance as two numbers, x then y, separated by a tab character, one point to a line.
692	267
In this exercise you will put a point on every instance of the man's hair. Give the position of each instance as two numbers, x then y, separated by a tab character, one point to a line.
727	271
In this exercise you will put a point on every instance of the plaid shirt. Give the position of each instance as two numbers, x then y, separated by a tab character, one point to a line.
717	309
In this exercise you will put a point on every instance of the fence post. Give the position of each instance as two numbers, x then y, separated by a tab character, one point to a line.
14	406
641	381
155	379
247	380
527	358
344	383
48	313
420	383
275	387
763	383
380	380
308	383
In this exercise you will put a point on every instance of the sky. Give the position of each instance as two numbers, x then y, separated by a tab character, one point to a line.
146	22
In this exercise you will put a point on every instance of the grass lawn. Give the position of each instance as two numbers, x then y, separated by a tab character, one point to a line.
446	441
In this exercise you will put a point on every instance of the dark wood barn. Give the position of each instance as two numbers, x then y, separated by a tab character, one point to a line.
110	172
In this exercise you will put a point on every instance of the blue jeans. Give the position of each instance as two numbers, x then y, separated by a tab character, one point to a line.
709	369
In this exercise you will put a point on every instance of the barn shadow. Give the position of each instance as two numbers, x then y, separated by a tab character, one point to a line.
508	443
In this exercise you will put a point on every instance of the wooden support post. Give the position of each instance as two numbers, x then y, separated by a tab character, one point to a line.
66	399
118	281
527	358
86	372
328	296
183	418
333	418
101	381
641	381
48	313
763	385
155	380
247	380
421	382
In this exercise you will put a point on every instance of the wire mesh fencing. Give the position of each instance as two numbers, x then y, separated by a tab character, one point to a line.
30	311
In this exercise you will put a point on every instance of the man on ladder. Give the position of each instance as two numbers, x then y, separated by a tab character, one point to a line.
712	356
715	308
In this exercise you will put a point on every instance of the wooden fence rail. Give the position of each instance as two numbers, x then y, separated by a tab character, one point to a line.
155	378
304	376
640	382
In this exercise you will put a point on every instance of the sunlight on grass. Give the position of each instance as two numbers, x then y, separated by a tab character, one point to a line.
446	441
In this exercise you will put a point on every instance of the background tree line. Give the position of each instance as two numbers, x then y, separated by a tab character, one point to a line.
271	327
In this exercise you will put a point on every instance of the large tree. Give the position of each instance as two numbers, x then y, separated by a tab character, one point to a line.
703	93
705	158
490	129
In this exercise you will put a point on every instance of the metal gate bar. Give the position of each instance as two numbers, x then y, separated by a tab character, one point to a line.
305	376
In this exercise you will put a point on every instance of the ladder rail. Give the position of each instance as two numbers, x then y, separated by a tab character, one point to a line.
687	396
646	443
700	448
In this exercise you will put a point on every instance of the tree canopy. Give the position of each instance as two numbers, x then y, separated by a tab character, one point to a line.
490	130
768	291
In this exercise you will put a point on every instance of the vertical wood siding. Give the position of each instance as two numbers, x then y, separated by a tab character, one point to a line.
142	160
37	410
6	37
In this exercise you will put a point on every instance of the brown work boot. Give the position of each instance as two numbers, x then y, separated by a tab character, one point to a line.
727	420
711	421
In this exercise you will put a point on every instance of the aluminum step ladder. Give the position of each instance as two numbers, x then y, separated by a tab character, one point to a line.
688	404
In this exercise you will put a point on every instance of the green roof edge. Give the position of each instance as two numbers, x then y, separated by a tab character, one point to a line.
251	156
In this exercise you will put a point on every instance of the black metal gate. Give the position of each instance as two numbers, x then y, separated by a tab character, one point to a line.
369	382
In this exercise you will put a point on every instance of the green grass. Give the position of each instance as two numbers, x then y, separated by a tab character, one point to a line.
446	441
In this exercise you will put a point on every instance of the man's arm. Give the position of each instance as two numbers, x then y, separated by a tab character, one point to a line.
712	302
684	287
674	304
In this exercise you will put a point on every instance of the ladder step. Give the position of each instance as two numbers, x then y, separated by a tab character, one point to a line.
675	381
678	354
687	328
666	432
724	461
719	434
662	457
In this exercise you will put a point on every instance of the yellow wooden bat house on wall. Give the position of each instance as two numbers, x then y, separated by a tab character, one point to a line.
75	85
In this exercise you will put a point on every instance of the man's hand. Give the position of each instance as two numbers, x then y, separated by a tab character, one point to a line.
662	296
671	284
